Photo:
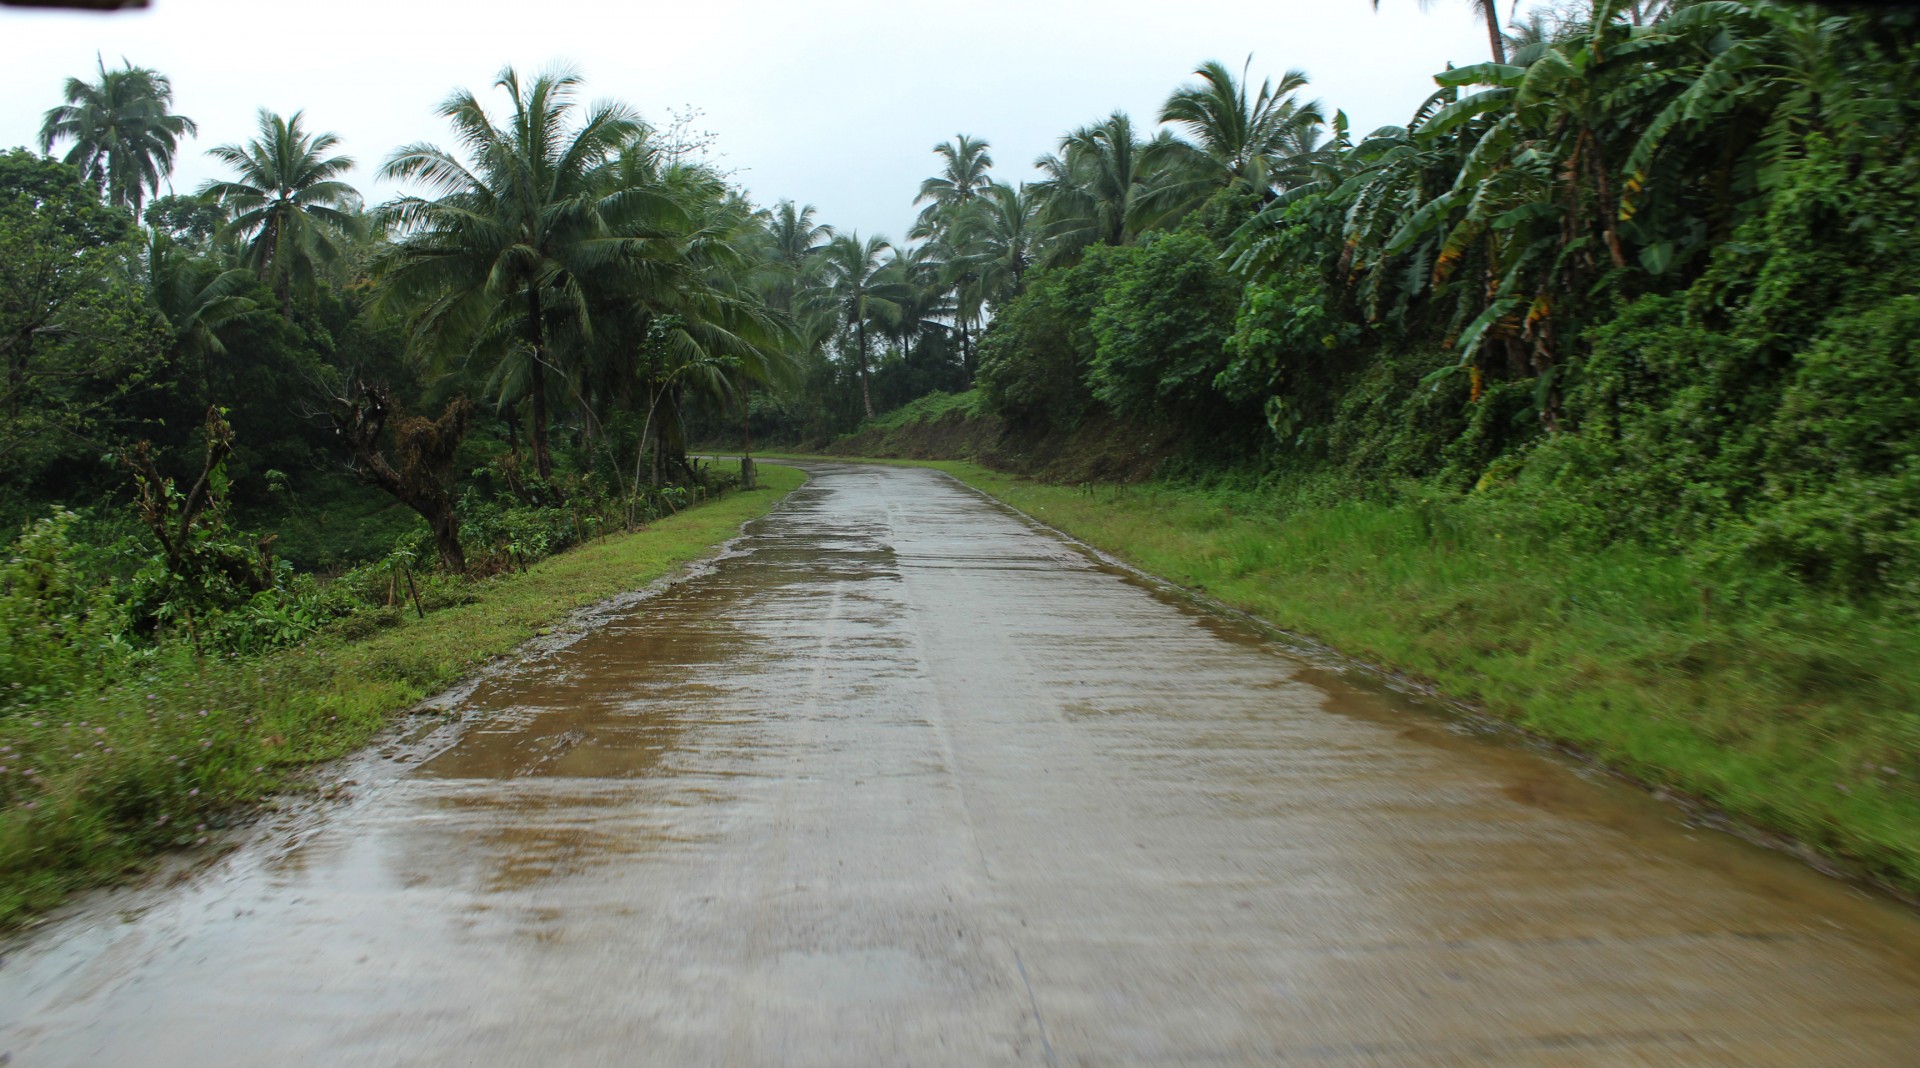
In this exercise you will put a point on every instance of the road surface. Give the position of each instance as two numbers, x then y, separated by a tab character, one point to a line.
907	779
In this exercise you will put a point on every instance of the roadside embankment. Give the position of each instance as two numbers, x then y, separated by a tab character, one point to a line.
956	426
94	784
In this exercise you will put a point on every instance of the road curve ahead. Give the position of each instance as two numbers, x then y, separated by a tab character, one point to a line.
908	780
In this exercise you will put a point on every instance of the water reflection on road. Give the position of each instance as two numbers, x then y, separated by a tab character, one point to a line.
907	780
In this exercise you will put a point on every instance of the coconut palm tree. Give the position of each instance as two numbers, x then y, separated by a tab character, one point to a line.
686	322
1250	144
857	285
1001	235
287	202
923	294
516	230
962	178
123	135
1091	188
796	242
194	294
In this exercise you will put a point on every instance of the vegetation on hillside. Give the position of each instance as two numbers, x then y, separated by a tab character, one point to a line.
1654	273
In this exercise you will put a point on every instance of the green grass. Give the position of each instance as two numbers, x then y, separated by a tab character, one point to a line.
93	785
1789	711
926	409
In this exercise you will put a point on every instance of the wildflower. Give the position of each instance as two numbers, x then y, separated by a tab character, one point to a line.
195	792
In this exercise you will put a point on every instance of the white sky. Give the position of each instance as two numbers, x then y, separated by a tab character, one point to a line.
832	102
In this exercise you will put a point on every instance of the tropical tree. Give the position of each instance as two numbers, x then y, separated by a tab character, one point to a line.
1091	190
962	179
1254	145
287	202
682	317
1001	236
503	253
123	135
75	336
857	285
923	296
196	297
796	242
190	219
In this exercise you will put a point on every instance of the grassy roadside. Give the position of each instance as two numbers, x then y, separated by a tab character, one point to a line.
94	784
1795	713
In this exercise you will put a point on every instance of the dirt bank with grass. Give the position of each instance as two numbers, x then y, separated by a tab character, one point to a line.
955	426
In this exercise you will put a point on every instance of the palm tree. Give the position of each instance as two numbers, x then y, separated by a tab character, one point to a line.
797	241
1001	236
1091	189
683	318
508	245
923	294
961	179
856	284
287	200
196	298
123	135
1232	141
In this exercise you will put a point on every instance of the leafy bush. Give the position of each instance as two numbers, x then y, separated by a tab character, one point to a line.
60	628
1160	332
1034	359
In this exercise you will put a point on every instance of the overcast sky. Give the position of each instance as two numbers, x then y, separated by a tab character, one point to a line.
837	103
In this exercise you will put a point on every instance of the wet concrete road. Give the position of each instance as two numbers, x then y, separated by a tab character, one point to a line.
907	780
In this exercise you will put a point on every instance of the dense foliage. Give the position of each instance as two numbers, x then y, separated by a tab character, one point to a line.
1653	270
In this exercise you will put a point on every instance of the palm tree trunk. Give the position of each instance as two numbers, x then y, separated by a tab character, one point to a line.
1491	9
966	352
542	462
866	391
746	441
